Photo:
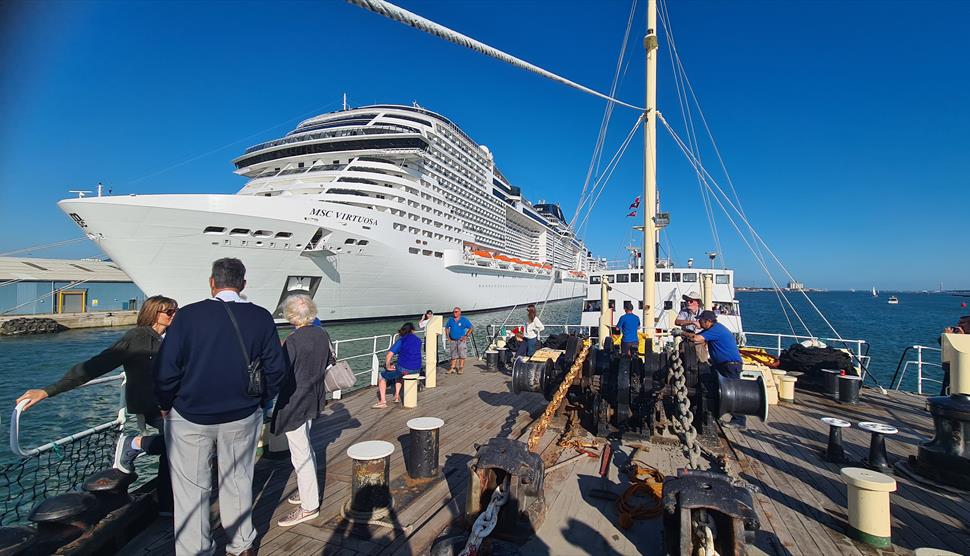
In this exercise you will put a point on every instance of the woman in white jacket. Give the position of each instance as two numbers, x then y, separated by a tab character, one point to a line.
532	329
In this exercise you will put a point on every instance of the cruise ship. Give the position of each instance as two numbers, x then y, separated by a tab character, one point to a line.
377	211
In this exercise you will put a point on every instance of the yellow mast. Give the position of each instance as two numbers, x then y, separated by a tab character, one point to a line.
650	175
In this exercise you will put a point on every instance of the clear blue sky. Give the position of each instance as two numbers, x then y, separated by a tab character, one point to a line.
844	124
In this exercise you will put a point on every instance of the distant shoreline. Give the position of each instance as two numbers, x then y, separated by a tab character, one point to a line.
957	293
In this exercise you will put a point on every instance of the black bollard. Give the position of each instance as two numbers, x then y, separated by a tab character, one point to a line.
830	382
878	460
110	487
834	452
424	455
849	386
370	496
61	519
491	360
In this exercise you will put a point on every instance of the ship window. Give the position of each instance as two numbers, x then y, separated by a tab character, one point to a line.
664	276
426	252
214	230
675	277
593	305
362	242
413	250
635	277
690	277
350	241
37	266
439	254
284	235
722	279
239	232
622	278
262	233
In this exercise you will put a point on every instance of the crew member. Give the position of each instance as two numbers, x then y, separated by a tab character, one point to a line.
629	325
725	356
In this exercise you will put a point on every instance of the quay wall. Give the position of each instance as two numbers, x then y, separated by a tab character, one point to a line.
86	320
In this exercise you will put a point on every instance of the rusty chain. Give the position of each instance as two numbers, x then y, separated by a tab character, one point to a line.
540	428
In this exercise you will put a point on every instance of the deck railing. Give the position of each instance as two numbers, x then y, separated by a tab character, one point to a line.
918	361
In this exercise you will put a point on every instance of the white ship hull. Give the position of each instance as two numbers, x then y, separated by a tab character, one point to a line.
159	241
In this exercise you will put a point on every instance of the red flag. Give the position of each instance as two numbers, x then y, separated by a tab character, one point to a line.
633	213
635	203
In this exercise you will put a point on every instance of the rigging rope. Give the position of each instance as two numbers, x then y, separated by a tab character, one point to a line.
43	246
698	166
594	162
411	19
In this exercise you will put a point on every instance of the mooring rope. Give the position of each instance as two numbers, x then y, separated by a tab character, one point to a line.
411	19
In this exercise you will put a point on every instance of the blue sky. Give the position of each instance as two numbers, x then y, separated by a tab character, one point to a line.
843	124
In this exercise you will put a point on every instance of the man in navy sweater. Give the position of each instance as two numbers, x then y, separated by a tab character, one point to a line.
201	383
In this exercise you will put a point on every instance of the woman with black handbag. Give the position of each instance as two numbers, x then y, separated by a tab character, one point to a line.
301	399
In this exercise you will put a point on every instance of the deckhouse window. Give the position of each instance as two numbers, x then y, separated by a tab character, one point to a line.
690	277
284	235
214	230
722	278
622	278
239	232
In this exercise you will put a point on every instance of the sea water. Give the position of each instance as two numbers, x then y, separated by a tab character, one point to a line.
37	361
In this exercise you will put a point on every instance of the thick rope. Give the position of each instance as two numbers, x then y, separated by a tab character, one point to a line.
411	19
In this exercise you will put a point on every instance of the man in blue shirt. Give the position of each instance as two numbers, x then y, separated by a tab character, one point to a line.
629	325
723	349
458	328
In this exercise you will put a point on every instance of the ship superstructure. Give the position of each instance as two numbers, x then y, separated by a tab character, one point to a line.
376	211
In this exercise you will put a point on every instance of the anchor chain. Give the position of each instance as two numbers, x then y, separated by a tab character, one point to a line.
684	422
557	399
487	520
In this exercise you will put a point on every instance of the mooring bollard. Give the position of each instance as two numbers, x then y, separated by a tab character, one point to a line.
877	444
411	390
834	452
16	539
425	434
110	488
787	392
776	375
849	386
868	494
830	382
370	494
491	360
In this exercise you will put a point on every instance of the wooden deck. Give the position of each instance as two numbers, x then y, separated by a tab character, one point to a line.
801	502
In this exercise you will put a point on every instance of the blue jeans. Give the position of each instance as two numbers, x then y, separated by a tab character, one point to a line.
530	346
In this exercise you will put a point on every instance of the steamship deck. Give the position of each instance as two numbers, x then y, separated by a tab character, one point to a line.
801	503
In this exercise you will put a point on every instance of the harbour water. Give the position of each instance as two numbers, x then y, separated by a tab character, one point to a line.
34	362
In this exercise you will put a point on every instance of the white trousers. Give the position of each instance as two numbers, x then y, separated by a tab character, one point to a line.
305	464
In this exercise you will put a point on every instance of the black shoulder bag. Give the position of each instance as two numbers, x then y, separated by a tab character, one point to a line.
254	369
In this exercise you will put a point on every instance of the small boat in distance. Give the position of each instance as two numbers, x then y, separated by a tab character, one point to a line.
874	292
893	300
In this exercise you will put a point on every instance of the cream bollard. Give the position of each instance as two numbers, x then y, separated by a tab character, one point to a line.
411	390
432	334
868	493
787	391
776	375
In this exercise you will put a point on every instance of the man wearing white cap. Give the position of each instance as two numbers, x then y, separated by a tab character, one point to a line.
687	317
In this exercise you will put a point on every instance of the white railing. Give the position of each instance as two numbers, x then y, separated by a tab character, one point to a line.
118	421
919	362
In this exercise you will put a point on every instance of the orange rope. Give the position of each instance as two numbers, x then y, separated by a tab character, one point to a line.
643	479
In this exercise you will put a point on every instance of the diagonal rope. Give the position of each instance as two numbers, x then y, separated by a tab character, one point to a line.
699	167
411	19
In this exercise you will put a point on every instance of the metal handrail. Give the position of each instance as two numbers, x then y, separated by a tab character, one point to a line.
119	421
862	346
905	363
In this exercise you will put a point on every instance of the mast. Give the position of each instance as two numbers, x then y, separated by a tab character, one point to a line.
650	175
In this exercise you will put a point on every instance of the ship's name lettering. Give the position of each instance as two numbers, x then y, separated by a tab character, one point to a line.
343	216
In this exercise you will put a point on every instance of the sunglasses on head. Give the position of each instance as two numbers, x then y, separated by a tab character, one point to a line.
170	312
